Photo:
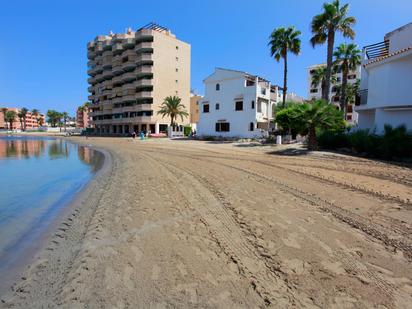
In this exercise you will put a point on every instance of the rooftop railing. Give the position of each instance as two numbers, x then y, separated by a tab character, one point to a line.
377	50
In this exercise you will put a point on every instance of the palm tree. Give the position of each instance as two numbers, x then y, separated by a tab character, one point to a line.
173	108
4	111
319	78
324	26
21	116
40	121
281	42
10	117
35	113
23	113
65	116
347	58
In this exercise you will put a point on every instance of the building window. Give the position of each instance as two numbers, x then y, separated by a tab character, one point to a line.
312	71
250	82
334	89
251	126
177	70
205	108
338	79
177	81
239	105
253	105
336	98
177	47
263	91
222	126
217	87
352	76
313	90
217	106
177	58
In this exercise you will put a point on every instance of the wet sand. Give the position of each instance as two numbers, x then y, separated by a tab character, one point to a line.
203	224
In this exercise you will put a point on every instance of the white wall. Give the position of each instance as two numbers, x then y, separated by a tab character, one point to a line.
232	86
400	38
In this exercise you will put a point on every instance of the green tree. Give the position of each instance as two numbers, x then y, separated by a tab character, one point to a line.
173	108
10	117
281	42
65	116
324	27
23	112
347	58
308	117
53	117
35	113
319	78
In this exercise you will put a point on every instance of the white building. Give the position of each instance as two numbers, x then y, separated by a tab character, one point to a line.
316	92
237	104
386	82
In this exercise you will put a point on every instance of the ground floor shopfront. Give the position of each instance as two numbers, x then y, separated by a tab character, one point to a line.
155	128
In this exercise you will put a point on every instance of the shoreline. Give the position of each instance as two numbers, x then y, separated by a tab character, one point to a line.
68	211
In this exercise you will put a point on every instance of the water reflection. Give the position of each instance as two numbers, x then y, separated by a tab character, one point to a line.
38	178
23	148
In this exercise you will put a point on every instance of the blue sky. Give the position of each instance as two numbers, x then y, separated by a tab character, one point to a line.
43	43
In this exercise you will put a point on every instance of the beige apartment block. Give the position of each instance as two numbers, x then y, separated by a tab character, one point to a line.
194	107
130	76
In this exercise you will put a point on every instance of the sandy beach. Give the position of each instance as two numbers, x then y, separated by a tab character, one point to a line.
175	224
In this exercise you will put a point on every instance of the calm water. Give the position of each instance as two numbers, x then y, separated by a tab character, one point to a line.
38	177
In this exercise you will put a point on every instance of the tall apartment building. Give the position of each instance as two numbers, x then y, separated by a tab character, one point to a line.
32	121
82	117
316	92
130	76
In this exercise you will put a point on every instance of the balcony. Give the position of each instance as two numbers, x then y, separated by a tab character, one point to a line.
129	42
117	49
129	76
144	47
107	74
376	50
361	97
146	69
128	65
144	58
143	83
143	95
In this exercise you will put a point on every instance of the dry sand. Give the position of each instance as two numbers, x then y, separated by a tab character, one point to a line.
197	224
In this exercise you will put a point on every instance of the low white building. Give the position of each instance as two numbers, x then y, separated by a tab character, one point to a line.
237	104
386	82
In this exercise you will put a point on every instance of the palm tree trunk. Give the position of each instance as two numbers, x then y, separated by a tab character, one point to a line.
312	142
285	79
344	86
331	41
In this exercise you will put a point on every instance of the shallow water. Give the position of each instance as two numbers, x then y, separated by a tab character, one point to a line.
38	177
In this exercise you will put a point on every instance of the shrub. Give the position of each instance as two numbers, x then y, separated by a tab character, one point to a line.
396	143
333	139
187	130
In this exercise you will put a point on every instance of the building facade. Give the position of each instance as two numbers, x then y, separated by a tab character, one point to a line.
315	93
32	121
237	104
385	95
130	76
194	109
83	118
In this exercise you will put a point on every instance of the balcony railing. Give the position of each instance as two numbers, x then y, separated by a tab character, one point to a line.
377	50
361	97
